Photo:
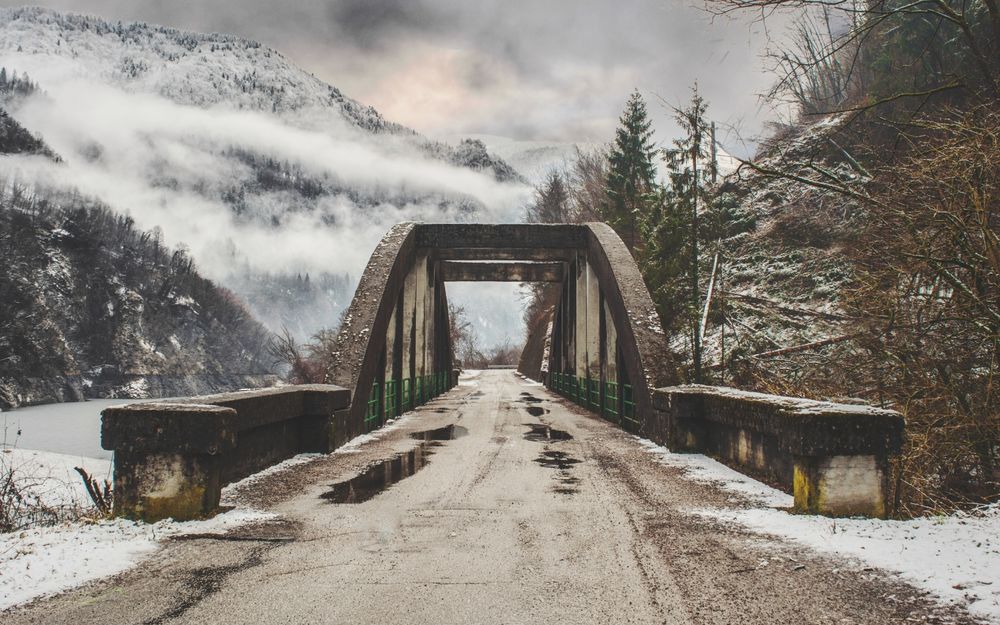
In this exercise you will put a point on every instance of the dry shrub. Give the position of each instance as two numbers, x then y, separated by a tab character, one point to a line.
929	291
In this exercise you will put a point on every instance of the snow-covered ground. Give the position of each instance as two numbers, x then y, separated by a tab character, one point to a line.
47	560
955	557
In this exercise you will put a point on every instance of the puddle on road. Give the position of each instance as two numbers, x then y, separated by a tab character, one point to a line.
556	460
447	433
542	433
563	463
531	399
379	477
536	411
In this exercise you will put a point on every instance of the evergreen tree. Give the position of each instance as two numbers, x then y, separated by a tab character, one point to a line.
551	205
693	167
631	183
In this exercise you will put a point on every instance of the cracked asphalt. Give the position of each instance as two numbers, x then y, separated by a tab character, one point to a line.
537	512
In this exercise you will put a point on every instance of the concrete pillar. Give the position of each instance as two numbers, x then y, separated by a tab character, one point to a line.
611	346
420	299
155	486
390	345
593	325
430	318
408	311
840	485
580	360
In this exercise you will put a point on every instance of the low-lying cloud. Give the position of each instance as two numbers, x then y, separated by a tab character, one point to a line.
168	164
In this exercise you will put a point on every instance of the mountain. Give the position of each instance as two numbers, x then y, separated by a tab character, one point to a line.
91	306
263	172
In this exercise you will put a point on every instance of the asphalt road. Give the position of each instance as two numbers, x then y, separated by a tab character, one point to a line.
536	512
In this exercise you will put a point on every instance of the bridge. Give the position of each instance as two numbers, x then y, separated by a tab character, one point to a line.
443	496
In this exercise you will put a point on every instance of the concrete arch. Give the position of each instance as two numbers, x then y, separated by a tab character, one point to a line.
393	349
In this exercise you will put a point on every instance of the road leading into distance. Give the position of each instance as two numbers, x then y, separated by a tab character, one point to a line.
506	504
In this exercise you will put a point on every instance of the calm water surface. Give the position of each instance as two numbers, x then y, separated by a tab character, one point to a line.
72	428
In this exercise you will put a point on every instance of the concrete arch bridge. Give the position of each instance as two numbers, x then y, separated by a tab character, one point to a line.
604	347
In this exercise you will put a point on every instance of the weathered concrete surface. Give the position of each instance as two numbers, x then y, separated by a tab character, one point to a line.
486	533
172	458
832	457
459	271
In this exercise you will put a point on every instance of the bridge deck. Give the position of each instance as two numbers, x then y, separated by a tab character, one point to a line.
508	523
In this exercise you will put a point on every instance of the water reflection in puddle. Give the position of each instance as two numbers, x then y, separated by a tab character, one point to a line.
447	433
542	433
380	476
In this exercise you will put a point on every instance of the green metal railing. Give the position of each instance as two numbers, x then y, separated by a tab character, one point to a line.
391	407
629	421
372	414
611	401
406	395
386	401
616	403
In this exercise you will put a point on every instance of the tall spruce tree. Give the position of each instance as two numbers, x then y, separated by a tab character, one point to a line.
631	181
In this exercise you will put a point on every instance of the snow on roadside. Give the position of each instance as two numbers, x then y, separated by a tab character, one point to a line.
706	470
48	560
469	377
51	477
954	557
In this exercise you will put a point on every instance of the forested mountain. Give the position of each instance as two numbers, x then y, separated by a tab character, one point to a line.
263	171
91	306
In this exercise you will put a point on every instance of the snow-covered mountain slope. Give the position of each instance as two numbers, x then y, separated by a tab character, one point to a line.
533	159
258	168
188	68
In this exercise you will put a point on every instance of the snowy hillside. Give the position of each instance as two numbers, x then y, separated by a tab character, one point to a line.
533	159
262	171
188	68
784	270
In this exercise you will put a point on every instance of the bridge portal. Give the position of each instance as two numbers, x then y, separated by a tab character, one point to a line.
604	347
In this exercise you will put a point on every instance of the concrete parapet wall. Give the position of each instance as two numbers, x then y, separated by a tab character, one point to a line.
173	458
832	457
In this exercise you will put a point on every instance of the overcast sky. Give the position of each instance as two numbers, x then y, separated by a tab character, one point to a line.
527	69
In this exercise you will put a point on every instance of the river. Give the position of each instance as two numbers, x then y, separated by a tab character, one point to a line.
72	428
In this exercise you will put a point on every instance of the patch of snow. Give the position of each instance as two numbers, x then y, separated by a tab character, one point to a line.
50	478
956	557
701	468
230	490
353	445
45	561
469	377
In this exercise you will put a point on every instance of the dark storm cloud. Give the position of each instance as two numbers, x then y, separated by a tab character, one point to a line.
554	69
372	23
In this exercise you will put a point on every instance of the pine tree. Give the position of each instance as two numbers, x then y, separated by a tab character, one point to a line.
692	166
551	205
631	181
